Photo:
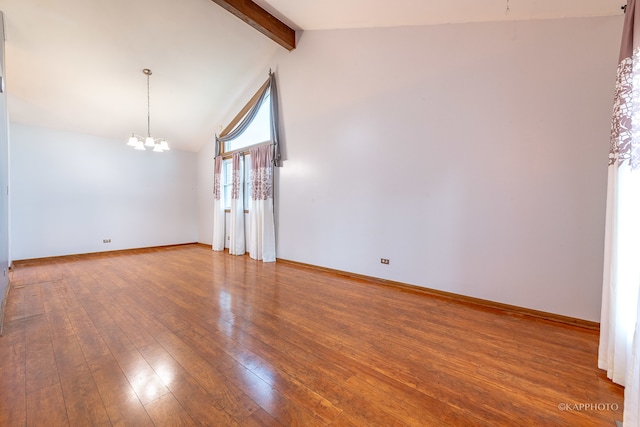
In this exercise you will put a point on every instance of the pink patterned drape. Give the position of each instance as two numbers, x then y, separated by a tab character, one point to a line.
262	242
619	350
218	206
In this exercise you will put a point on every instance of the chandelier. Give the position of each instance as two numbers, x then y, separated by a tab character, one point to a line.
139	143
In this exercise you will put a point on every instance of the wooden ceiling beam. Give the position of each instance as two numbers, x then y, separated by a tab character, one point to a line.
261	20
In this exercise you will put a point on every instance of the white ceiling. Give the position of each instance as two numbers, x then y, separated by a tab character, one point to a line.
333	14
77	65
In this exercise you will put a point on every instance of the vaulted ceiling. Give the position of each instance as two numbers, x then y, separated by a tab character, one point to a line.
334	14
77	65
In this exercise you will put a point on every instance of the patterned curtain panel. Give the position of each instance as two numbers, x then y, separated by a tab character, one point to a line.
619	350
218	206
236	223
262	240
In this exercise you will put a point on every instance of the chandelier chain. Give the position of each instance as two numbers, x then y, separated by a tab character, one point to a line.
148	109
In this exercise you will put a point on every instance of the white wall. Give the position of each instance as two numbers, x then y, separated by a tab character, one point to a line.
473	156
70	191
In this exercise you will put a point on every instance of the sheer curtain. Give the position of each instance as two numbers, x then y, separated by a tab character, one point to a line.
218	206
619	350
262	239
236	223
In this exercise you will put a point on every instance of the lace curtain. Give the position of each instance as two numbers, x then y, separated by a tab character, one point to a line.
619	350
262	241
218	206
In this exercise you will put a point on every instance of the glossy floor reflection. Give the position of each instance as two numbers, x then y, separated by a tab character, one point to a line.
187	336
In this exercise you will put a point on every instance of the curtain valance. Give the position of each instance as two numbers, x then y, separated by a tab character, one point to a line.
269	89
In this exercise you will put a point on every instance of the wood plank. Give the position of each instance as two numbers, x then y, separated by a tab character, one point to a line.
261	20
14	304
143	379
167	411
200	337
13	410
12	345
260	418
278	406
192	396
45	407
40	363
83	401
120	399
223	393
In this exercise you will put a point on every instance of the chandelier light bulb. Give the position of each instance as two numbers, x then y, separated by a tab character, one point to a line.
133	141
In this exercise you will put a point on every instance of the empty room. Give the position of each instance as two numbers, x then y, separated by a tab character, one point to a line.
337	213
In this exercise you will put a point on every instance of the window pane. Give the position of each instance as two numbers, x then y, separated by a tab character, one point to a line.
227	196
257	132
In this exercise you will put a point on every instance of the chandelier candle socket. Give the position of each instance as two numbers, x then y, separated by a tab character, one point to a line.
139	143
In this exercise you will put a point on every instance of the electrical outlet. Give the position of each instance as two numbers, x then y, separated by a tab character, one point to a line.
106	241
384	261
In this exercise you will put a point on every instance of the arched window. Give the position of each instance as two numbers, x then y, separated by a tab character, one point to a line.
247	150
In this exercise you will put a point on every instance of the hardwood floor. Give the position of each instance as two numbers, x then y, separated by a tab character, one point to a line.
187	336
